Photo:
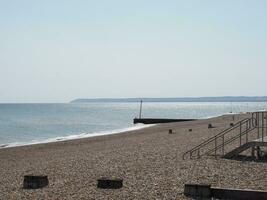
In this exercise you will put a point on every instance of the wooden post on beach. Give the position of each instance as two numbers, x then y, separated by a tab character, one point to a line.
109	183
34	182
140	113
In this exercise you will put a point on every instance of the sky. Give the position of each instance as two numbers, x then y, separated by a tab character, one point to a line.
57	51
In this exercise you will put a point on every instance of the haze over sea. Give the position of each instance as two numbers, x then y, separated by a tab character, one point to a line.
22	124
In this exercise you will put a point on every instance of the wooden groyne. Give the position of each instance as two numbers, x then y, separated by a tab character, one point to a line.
208	192
158	120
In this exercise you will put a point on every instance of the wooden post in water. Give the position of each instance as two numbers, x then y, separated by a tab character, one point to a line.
140	113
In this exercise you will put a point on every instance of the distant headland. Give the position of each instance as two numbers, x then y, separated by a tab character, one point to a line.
177	99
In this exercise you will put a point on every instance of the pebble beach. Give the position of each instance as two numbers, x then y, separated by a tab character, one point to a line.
148	160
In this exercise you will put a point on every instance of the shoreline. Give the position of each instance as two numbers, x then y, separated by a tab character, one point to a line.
94	134
77	136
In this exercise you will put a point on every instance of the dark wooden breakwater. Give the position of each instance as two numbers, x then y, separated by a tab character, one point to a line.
158	120
196	191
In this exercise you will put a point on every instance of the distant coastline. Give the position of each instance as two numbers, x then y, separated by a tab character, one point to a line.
176	99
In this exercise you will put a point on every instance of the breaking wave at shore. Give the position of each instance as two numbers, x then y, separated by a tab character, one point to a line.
77	136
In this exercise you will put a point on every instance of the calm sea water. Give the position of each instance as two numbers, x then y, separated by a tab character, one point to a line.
33	123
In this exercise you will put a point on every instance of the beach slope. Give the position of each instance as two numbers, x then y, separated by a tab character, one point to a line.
148	160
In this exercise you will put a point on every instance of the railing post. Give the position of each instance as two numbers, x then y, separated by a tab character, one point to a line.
256	122
240	134
258	127
223	144
215	146
262	135
246	131
262	124
265	123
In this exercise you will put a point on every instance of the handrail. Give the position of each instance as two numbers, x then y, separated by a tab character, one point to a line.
257	120
213	137
238	124
230	140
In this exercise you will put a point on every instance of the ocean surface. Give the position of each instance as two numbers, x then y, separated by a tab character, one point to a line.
22	124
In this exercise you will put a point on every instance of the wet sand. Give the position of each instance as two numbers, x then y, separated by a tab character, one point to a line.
148	160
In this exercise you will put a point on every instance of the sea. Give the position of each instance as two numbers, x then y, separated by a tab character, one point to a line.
24	124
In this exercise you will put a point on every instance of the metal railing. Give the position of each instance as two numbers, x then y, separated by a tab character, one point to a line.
216	144
260	123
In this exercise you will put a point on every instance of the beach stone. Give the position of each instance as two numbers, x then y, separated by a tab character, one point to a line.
106	183
190	130
35	182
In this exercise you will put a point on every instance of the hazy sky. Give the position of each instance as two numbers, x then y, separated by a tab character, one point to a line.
56	51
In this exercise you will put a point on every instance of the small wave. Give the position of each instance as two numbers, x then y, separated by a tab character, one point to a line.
77	136
220	115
